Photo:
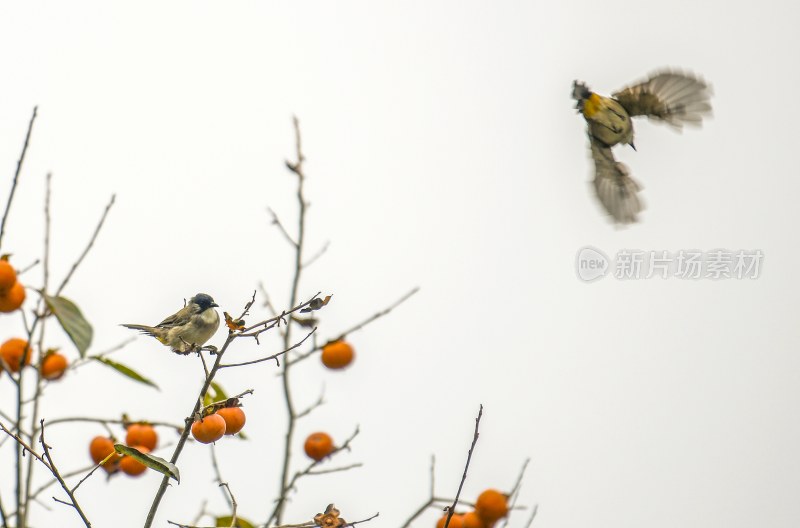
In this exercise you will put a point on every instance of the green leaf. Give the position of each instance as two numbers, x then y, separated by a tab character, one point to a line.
125	371
151	461
72	321
226	520
214	393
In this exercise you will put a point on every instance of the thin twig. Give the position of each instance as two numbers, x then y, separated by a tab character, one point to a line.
320	401
307	471
433	476
43	487
217	472
297	169
452	508
533	515
269	358
27	268
89	474
220	403
40	308
88	246
16	174
53	469
514	493
276	320
336	469
317	255
358	326
232	503
276	221
119	421
3	516
46	258
430	500
363	520
267	301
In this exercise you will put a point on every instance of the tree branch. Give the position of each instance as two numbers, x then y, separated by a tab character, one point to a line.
16	175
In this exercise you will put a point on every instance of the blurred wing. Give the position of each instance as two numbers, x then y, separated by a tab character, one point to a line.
615	188
674	97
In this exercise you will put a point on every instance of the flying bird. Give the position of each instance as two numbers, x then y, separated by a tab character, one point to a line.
674	97
188	328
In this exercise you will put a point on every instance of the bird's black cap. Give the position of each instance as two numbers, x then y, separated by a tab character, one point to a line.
204	301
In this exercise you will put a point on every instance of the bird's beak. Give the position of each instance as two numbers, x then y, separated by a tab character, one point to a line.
213	304
633	146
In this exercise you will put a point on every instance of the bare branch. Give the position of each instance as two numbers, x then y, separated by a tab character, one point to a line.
452	509
514	493
359	326
533	515
276	221
336	469
232	503
364	520
16	175
320	401
317	255
54	470
88	246
307	471
105	421
272	357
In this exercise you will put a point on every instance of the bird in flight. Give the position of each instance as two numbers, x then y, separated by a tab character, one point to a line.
674	97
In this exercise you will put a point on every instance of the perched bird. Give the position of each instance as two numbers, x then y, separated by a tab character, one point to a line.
673	97
188	328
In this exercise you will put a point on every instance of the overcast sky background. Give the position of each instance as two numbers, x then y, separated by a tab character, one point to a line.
443	152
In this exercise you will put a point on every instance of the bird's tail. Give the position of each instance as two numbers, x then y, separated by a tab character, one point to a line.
149	330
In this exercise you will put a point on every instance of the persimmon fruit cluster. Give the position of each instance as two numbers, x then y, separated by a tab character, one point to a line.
13	351
463	520
141	434
99	448
491	506
53	366
12	292
225	421
209	429
234	419
132	467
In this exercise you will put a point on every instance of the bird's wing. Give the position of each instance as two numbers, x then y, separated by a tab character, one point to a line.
676	98
616	190
179	318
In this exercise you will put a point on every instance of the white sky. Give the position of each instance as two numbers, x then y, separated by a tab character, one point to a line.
443	151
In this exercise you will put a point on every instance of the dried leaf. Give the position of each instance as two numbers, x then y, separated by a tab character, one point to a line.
234	325
306	322
72	321
316	304
329	519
